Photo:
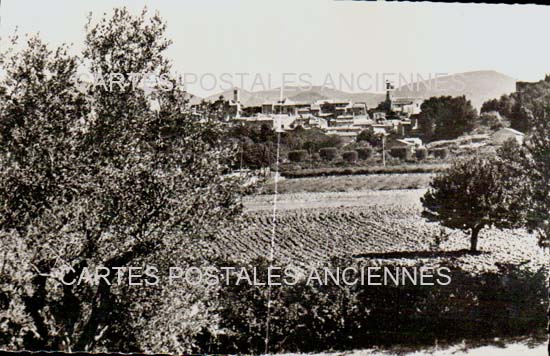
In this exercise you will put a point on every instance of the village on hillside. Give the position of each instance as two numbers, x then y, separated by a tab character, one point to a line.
345	119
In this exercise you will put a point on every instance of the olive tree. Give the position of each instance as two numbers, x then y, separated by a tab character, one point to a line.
98	176
475	193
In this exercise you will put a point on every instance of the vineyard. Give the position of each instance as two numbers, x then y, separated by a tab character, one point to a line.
305	237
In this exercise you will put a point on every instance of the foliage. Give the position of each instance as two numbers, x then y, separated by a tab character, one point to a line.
338	171
519	107
536	158
315	139
505	105
369	136
491	121
476	193
297	156
365	153
350	156
328	153
100	177
256	155
403	153
532	161
313	318
446	117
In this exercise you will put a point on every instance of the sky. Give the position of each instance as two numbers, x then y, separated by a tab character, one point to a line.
315	37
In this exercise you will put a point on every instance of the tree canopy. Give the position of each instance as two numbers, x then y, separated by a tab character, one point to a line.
476	193
98	176
446	117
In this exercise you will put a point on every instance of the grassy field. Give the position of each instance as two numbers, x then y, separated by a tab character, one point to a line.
335	200
351	183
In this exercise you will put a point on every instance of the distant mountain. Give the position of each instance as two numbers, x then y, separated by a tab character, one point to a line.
309	94
478	87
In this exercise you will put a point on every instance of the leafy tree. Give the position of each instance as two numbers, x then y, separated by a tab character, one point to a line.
328	153
490	105
504	105
297	156
533	160
101	178
476	193
537	169
491	121
311	140
375	140
350	156
256	155
365	153
446	117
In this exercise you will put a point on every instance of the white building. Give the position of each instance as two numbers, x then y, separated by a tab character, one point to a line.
408	106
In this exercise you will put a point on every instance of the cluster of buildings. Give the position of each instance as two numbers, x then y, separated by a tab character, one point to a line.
339	117
343	118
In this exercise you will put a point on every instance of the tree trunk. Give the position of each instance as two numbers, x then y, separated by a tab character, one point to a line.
103	300
474	238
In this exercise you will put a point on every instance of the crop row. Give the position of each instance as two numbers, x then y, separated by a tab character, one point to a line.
309	236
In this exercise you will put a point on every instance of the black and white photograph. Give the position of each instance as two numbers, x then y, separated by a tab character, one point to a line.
315	177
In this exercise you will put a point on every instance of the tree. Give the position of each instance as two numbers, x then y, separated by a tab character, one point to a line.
373	139
536	162
446	117
297	156
256	155
491	121
350	156
490	105
364	153
504	105
328	153
101	178
538	168
473	194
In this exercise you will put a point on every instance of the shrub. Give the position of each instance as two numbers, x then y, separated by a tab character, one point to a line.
297	156
312	318
350	156
421	153
328	153
442	153
403	153
370	137
365	153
